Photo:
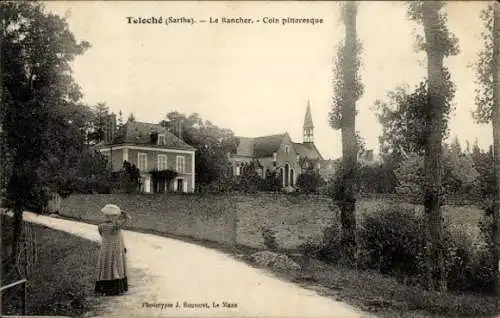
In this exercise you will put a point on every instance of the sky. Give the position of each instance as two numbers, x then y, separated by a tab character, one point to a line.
256	78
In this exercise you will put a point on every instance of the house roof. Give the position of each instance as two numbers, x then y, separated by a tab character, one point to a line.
266	146
308	150
259	147
245	146
139	133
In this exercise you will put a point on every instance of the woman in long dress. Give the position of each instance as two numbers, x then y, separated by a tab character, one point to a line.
111	264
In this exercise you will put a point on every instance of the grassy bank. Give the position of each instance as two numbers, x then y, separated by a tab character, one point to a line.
385	296
61	281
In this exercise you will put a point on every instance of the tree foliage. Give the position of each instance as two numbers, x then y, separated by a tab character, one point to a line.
309	181
347	89
357	90
91	174
43	107
39	97
487	99
360	143
248	180
100	115
212	144
404	121
127	179
484	71
377	178
459	174
443	41
273	181
437	42
484	164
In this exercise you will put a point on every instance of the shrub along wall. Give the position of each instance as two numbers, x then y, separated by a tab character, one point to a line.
207	217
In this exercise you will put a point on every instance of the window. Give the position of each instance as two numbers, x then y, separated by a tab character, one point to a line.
287	148
161	139
237	171
180	164
142	161
319	165
274	156
162	162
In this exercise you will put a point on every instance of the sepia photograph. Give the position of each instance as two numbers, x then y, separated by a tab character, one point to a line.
286	159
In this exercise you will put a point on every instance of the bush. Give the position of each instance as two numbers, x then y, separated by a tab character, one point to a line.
272	181
269	236
309	181
391	240
459	175
379	178
330	250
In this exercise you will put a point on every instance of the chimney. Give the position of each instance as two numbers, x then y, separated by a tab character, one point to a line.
109	128
180	125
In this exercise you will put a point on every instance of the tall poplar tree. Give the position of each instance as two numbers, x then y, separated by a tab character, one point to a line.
487	111
347	90
437	43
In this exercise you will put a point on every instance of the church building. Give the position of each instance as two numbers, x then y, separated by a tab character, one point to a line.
279	152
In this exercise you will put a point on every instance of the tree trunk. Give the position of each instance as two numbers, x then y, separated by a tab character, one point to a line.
436	275
347	202
496	138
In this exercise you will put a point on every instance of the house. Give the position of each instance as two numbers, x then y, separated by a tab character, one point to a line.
279	153
151	147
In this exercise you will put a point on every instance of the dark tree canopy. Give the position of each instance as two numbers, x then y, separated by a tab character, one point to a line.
212	144
485	71
44	120
404	120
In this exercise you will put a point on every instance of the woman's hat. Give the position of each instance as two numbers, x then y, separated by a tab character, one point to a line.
111	209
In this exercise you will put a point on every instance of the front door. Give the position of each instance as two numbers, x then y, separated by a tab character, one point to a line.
161	186
180	185
287	175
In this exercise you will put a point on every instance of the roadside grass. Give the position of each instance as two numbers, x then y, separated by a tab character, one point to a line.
385	296
62	280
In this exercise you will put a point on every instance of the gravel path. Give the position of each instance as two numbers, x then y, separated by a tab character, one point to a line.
168	277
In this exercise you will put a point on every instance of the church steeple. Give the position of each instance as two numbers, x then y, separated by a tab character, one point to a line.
308	127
